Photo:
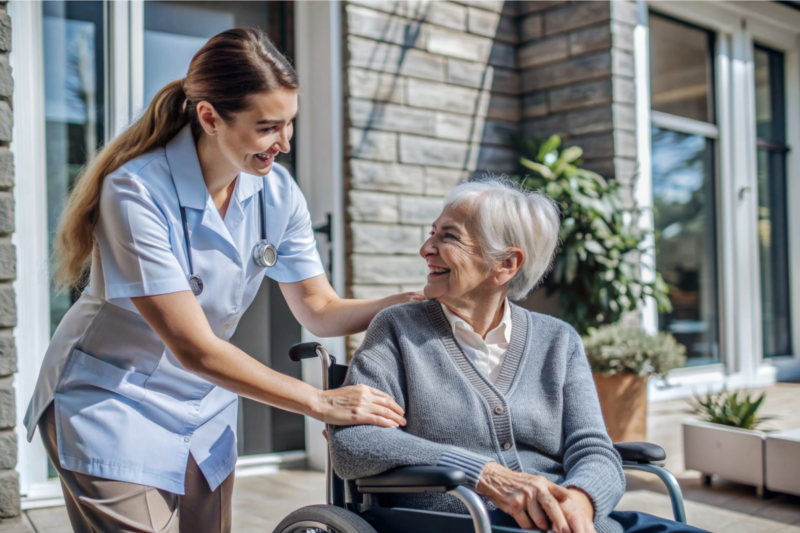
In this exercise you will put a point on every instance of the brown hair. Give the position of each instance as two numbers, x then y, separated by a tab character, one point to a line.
231	67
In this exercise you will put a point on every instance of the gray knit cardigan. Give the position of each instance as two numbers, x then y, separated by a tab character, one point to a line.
542	416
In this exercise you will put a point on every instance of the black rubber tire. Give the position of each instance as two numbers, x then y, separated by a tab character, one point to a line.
325	518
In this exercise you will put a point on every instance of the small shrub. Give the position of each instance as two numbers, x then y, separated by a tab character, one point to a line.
616	348
727	409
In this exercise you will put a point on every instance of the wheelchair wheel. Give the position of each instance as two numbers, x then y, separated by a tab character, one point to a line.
323	519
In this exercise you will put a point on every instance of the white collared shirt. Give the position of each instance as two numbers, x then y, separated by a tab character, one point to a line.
489	354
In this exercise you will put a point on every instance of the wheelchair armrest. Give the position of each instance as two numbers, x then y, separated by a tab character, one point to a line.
641	453
414	479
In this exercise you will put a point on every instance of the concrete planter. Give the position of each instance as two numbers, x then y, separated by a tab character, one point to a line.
731	453
783	461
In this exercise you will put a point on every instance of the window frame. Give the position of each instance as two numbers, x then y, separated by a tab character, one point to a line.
738	26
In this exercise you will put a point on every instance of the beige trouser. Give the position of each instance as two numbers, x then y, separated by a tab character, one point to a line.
98	505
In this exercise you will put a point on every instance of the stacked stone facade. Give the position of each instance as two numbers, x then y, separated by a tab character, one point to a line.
436	92
432	97
576	63
9	482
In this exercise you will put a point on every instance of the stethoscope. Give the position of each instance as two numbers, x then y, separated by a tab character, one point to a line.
265	254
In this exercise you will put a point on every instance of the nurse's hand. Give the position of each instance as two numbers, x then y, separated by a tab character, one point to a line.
359	405
404	297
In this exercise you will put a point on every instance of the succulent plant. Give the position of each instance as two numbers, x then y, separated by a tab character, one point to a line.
729	409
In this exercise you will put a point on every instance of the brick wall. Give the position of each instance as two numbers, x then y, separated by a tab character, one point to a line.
576	63
435	91
9	483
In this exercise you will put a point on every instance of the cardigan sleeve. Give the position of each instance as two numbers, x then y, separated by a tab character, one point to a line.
590	460
362	451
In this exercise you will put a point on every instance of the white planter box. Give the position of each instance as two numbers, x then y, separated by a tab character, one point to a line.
783	461
731	453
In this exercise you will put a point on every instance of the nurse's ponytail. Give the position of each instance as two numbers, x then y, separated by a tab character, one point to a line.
229	68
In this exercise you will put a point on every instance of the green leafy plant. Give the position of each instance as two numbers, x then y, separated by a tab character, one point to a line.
616	348
729	410
594	270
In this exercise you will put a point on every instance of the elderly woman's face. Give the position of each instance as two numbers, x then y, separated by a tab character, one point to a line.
457	268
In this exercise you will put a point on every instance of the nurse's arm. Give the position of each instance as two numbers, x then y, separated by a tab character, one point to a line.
180	322
322	312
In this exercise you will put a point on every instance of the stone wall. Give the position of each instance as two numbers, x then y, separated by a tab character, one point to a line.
9	482
576	63
435	91
432	97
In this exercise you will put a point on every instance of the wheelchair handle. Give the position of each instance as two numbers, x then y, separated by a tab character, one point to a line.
304	350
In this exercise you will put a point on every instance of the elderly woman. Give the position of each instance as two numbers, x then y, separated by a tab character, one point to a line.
503	394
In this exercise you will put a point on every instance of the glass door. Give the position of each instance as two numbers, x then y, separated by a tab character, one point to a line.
684	176
773	229
268	328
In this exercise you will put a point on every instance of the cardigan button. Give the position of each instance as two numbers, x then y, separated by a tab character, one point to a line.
498	410
507	446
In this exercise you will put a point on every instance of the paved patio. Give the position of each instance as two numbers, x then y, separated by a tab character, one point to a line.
261	502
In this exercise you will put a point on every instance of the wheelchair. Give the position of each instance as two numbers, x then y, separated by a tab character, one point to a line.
342	516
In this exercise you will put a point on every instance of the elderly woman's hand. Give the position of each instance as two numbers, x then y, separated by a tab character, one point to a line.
535	501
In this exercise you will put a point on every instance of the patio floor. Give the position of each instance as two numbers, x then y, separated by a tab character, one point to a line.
261	502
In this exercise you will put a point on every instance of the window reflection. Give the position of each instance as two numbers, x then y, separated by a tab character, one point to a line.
681	73
74	99
183	28
683	196
772	207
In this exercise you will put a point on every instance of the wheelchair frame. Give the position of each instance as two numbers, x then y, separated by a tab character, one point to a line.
642	456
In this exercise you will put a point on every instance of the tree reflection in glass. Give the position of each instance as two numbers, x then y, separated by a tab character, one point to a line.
683	198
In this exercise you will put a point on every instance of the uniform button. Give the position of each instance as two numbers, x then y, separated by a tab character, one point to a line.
507	446
186	439
498	410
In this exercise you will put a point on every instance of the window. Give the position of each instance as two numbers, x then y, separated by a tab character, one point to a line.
684	176
74	108
772	202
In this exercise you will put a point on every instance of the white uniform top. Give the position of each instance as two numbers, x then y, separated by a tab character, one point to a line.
487	355
126	409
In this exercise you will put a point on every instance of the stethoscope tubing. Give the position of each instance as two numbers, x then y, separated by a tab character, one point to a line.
264	254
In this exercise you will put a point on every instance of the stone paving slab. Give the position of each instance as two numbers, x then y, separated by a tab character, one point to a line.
259	503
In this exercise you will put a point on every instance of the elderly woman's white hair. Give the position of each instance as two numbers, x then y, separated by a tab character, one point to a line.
503	215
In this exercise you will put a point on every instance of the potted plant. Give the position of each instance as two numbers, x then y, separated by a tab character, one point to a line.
622	359
595	273
725	440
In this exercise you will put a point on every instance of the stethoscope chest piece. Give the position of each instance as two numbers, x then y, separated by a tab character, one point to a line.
196	284
265	254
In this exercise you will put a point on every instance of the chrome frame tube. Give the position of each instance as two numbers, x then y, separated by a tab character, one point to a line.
674	489
325	359
476	508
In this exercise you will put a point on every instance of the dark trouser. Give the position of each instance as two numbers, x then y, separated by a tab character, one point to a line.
97	505
631	523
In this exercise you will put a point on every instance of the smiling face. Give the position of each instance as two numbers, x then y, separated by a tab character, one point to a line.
251	139
458	272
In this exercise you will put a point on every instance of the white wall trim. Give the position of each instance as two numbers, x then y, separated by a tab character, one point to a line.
32	285
320	154
643	191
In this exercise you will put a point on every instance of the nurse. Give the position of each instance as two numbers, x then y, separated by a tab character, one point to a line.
179	219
